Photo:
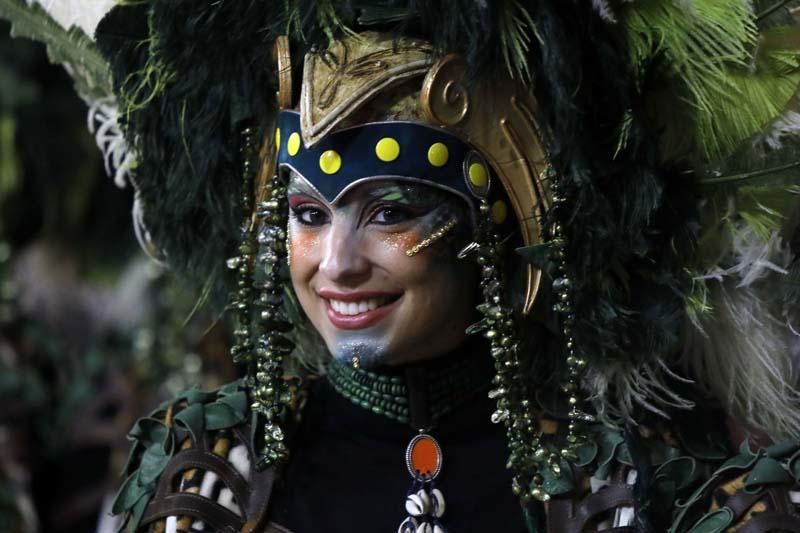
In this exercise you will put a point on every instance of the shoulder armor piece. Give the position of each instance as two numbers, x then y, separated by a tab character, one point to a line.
615	473
191	462
756	491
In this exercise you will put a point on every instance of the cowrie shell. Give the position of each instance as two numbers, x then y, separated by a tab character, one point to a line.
437	503
415	506
425	499
409	525
425	527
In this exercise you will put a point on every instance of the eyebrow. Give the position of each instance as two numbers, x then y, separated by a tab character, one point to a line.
388	190
300	185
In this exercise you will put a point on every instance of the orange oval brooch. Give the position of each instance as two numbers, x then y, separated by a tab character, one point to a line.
424	457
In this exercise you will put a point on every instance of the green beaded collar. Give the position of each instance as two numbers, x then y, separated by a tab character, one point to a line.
418	394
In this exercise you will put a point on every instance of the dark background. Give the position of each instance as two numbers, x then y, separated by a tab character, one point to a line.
92	334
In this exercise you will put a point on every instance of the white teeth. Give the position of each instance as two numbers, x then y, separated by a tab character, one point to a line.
356	308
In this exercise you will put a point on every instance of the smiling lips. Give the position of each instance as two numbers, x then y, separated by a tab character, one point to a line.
358	310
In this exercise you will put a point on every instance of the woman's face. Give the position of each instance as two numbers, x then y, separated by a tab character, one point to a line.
365	296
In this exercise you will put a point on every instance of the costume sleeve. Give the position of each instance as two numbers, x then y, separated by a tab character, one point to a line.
632	479
756	491
191	467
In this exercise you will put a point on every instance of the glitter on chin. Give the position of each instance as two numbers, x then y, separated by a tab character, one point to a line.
370	349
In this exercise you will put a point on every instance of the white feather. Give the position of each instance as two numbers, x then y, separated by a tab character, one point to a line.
742	355
787	124
119	160
617	393
103	123
604	10
742	350
754	258
85	14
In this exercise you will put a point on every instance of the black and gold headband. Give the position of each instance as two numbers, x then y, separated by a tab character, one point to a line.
387	150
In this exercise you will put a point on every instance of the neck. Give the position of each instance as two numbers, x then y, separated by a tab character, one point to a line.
418	393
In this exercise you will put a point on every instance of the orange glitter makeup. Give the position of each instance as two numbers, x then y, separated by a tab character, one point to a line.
302	244
402	241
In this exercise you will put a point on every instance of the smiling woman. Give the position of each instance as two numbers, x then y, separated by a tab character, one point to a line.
541	241
401	204
371	302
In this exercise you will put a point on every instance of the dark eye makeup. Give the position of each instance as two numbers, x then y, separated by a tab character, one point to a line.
382	214
391	214
310	215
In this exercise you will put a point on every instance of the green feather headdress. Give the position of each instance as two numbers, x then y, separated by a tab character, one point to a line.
653	113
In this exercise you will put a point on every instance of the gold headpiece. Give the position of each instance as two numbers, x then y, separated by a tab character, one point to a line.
496	118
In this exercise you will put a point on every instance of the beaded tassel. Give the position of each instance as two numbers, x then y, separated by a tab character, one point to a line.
531	461
562	288
242	264
264	358
272	393
510	383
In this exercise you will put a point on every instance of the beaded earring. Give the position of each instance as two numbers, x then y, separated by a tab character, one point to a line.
533	463
563	306
262	252
510	384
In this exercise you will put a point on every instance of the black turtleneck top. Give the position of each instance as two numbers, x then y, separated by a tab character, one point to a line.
347	471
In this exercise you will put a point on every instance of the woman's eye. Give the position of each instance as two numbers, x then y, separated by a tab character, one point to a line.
310	216
391	215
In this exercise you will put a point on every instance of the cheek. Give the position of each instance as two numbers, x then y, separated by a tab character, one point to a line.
436	262
303	251
446	298
442	293
401	241
445	279
304	259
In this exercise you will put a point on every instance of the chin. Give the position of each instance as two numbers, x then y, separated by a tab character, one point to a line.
370	350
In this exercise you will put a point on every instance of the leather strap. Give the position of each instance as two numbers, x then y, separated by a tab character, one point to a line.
770	521
252	493
261	485
778	516
566	515
740	501
196	506
781	502
192	458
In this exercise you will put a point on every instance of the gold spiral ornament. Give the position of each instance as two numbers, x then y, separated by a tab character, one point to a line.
444	98
504	132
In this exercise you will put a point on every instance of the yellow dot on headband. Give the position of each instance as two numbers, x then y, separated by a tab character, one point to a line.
478	175
387	149
278	139
293	146
438	154
330	162
499	212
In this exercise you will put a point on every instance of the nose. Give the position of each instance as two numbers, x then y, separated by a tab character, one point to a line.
344	260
